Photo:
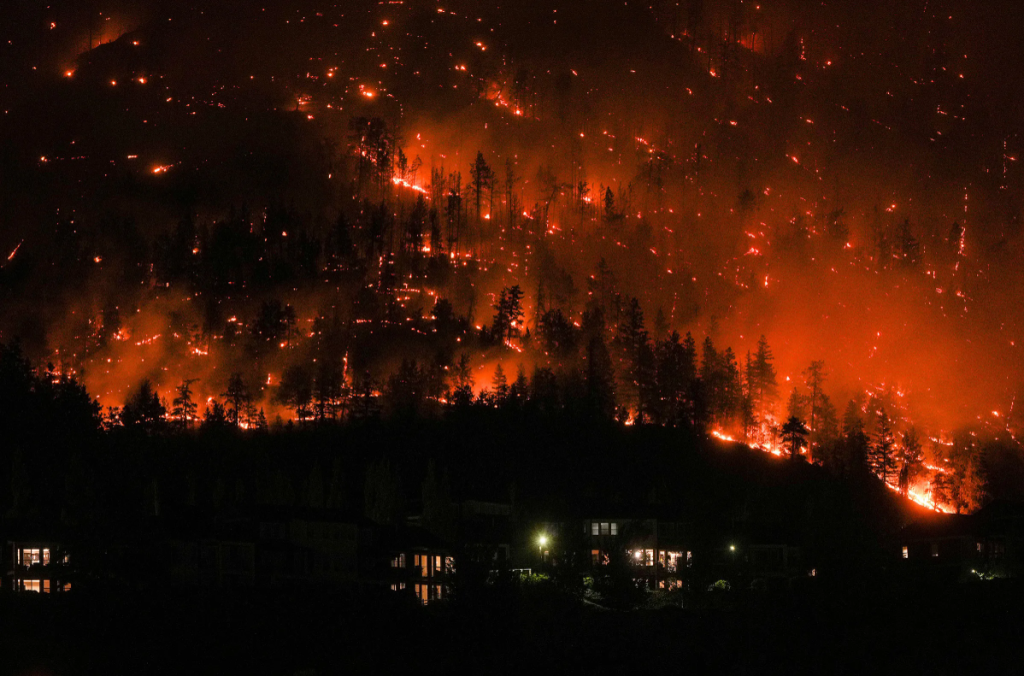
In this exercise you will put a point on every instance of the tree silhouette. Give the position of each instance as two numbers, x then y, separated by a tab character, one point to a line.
184	410
508	315
882	456
143	409
912	460
794	434
482	181
239	400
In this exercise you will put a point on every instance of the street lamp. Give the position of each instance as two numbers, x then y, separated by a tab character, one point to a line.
542	541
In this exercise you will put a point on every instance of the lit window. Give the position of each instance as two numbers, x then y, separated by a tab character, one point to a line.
604	529
398	561
422	561
46	557
30	585
46	586
594	528
906	554
615	529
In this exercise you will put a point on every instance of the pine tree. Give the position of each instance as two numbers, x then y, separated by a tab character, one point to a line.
599	378
499	385
184	408
508	317
883	453
794	434
483	180
855	441
634	346
238	398
815	377
911	462
966	476
795	405
143	409
710	378
761	383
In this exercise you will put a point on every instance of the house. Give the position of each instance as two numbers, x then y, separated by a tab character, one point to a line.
266	547
948	547
38	566
656	547
484	530
408	559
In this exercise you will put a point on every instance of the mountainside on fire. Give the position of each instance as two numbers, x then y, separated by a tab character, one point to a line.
303	192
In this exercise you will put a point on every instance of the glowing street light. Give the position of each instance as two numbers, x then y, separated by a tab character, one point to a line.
542	542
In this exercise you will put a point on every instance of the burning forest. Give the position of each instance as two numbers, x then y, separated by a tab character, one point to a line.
727	217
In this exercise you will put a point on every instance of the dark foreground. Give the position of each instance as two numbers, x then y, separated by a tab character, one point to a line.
955	630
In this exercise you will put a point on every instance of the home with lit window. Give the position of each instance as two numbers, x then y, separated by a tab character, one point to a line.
410	560
655	547
986	544
38	566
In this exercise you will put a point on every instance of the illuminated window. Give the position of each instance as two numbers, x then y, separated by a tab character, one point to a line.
595	556
30	585
422	561
437	564
46	586
594	526
32	556
46	557
906	553
615	529
397	586
428	592
605	529
449	564
398	561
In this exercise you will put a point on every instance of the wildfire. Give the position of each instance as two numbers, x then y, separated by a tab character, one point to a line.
719	434
411	186
921	496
